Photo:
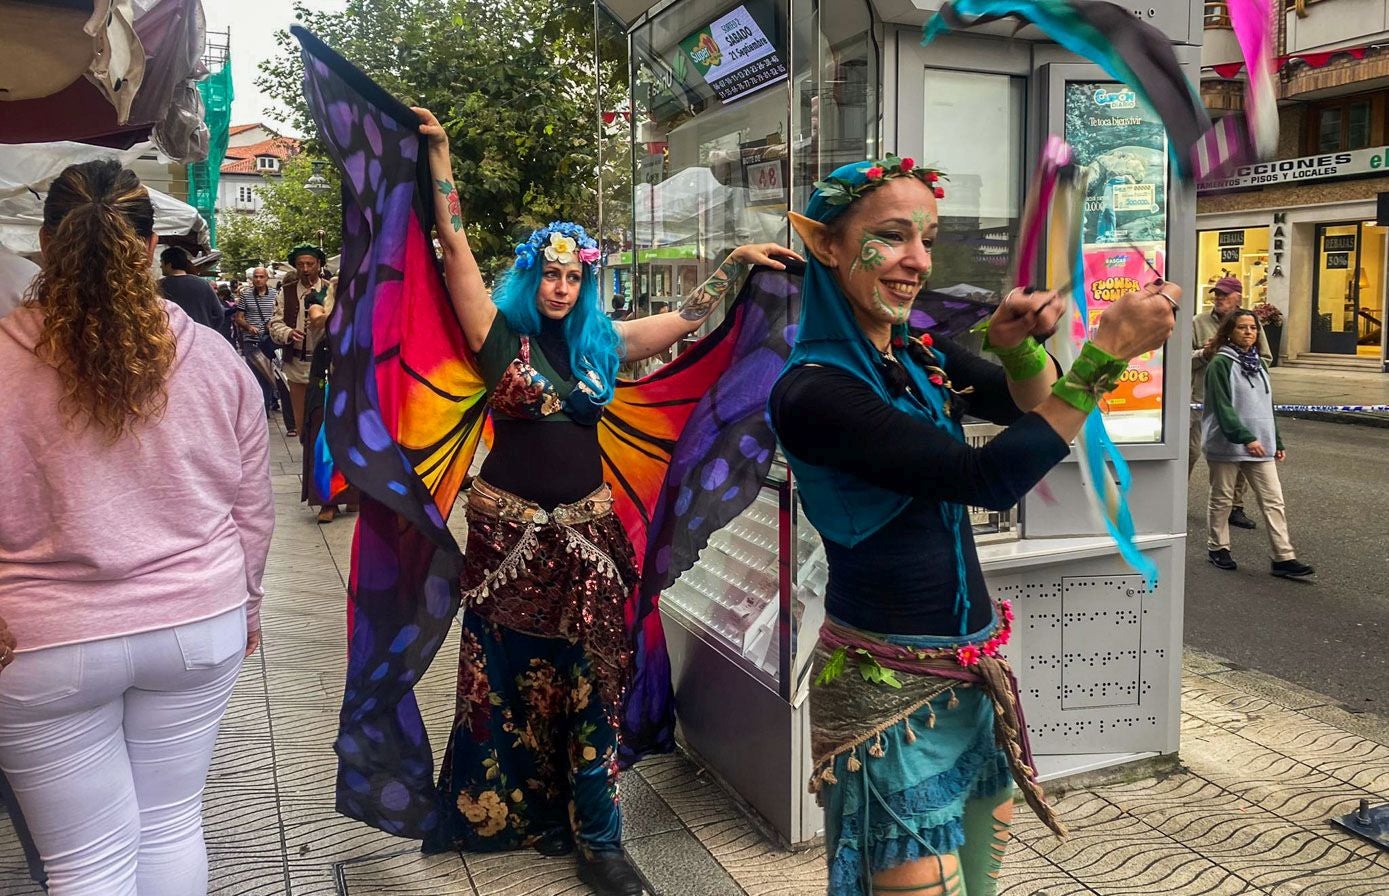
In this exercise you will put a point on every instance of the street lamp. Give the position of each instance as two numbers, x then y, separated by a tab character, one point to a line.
317	184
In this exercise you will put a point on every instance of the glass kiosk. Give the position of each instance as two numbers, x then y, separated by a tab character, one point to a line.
1098	655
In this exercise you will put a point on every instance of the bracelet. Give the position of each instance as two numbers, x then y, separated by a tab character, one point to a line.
1021	362
1094	373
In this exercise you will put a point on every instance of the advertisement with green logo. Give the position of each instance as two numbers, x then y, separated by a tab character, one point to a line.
734	55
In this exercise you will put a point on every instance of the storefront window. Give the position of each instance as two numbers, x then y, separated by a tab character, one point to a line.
1348	292
981	211
1122	146
1233	253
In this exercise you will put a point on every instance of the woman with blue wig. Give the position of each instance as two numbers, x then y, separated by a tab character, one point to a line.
915	722
546	658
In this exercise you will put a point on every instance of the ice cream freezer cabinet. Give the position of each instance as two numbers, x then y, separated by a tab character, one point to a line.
1097	655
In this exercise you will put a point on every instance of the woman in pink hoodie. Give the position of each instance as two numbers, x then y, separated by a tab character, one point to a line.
133	537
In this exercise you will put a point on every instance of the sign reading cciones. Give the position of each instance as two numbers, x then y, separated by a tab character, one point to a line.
1283	171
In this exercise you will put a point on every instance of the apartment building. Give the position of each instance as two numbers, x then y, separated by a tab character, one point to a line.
1307	231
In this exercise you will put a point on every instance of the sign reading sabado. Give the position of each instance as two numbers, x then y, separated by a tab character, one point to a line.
1286	171
734	55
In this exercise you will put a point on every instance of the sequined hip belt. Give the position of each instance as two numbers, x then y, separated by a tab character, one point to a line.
503	505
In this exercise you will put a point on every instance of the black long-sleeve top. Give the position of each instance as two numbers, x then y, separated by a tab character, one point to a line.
902	579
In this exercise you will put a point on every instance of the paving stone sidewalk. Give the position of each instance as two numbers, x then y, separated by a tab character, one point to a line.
1263	766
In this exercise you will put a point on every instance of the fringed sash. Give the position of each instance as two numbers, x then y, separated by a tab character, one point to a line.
850	711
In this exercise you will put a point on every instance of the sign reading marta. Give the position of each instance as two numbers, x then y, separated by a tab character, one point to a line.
1282	171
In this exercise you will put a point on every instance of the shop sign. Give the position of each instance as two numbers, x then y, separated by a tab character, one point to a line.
1229	256
734	55
1341	243
1337	261
1284	171
1230	238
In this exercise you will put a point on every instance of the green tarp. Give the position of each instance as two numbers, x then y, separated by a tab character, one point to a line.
203	176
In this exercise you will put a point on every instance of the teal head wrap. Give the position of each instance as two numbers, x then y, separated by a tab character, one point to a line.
843	507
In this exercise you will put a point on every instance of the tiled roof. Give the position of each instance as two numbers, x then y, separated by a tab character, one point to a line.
242	159
242	128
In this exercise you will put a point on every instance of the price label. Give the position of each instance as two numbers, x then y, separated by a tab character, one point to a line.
765	182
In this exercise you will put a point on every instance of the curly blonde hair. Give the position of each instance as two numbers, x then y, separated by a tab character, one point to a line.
104	324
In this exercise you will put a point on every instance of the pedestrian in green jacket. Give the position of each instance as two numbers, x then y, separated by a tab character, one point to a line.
1240	436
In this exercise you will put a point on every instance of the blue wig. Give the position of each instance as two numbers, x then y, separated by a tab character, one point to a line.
594	344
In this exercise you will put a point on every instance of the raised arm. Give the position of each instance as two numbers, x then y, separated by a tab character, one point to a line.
649	336
468	293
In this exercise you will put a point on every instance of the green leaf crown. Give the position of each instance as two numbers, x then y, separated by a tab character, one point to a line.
838	191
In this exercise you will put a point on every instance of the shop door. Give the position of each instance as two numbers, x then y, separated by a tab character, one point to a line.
1369	293
1348	290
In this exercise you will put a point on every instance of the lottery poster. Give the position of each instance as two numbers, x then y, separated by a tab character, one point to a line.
1121	146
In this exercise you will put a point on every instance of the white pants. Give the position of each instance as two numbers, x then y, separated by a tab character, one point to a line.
106	745
1268	489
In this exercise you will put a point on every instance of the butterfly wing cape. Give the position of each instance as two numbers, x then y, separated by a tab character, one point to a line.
402	420
684	450
945	314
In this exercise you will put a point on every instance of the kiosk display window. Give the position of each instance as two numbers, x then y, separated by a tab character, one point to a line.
737	110
711	155
980	214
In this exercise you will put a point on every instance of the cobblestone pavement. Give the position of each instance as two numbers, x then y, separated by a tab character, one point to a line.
1263	766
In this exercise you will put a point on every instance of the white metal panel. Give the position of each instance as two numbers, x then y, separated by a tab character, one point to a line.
1097	657
1344	23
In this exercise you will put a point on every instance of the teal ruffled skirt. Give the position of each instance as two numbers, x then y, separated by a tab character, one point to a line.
909	802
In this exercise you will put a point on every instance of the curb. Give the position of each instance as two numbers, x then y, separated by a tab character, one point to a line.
1379	421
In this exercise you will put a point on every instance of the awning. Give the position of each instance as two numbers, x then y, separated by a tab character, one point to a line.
106	72
26	172
627	11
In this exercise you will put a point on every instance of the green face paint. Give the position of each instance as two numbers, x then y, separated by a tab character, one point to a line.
898	313
921	217
870	253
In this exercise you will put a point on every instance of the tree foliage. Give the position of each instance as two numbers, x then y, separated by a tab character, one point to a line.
290	214
513	81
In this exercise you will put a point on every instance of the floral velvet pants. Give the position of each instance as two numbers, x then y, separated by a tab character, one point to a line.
534	747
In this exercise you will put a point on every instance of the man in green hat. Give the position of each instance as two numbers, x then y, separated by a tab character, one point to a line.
290	325
300	324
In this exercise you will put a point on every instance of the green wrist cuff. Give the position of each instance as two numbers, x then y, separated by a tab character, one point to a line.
1094	373
1021	362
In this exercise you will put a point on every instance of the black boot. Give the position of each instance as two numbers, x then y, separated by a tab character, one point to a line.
610	874
1241	519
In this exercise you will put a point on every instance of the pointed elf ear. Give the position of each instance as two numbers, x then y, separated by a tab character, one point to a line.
816	236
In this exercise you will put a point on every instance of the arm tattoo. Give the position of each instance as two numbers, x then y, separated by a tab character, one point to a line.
713	291
450	194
